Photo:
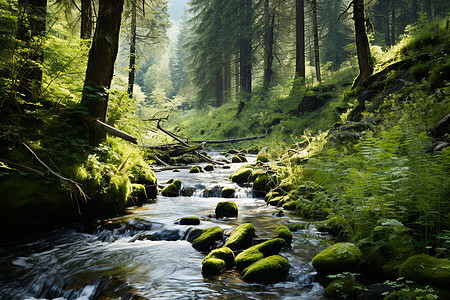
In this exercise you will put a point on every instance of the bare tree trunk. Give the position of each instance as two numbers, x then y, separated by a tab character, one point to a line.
300	39
227	80
387	38
268	41
362	43
30	31
316	41
393	24
132	67
86	19
428	10
102	56
219	88
236	75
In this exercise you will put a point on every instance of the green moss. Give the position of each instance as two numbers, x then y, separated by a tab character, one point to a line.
284	233
257	252
241	237
262	157
226	209
189	221
188	192
290	205
344	288
241	175
138	194
268	270
269	196
195	169
227	193
236	159
171	190
217	261
177	183
337	225
338	258
262	185
209	236
426	269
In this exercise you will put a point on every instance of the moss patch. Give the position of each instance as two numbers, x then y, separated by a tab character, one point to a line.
228	193
338	258
195	169
284	233
189	221
241	237
226	209
269	270
217	261
209	236
172	190
241	175
426	269
257	252
344	288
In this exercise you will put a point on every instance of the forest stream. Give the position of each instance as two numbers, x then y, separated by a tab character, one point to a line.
146	254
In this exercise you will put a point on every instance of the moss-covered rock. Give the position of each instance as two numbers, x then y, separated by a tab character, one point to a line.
226	209
172	190
209	168
189	221
262	155
426	269
257	252
242	175
290	205
241	237
337	226
344	288
194	233
269	196
142	174
268	270
217	261
262	185
228	193
195	169
138	194
340	257
284	233
209	236
188	192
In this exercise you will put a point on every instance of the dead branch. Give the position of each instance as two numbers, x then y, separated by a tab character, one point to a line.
117	132
229	140
22	167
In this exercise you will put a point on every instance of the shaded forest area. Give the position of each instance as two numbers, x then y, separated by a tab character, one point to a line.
351	96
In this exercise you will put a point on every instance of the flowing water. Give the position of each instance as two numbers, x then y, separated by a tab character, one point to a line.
145	254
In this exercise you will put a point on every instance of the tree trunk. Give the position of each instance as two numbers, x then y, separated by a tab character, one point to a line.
428	10
245	49
102	56
415	9
227	80
219	88
236	75
30	31
362	43
393	24
300	39
387	32
316	41
268	41
132	67
86	19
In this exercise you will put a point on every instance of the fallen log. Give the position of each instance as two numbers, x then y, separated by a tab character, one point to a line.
229	140
116	132
22	167
182	151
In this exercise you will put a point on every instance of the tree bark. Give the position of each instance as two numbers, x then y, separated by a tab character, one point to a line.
300	39
393	24
102	56
316	41
387	38
219	88
245	48
362	43
428	10
30	31
227	80
132	67
86	19
269	25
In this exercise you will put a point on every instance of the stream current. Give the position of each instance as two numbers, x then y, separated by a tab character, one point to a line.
145	255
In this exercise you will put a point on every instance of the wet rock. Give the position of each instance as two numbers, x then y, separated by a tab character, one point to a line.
138	194
188	192
217	261
172	190
257	252
262	184
209	168
195	169
239	158
241	237
226	209
228	193
207	239
344	288
143	175
340	257
242	175
284	233
442	127
268	270
193	234
426	269
212	192
310	103
189	221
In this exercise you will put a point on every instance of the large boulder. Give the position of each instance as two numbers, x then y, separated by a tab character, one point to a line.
242	175
228	193
426	269
284	233
195	169
241	237
226	209
217	261
172	190
340	257
269	270
257	252
207	239
138	194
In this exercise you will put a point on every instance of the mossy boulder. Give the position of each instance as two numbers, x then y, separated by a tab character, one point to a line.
207	239
262	185
228	193
226	209
257	252
138	194
194	233
236	159
189	221
241	237
426	269
340	257
262	155
142	174
344	288
268	270
290	205
172	190
209	168
217	261
337	226
270	195
242	175
195	169
284	233
188	192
